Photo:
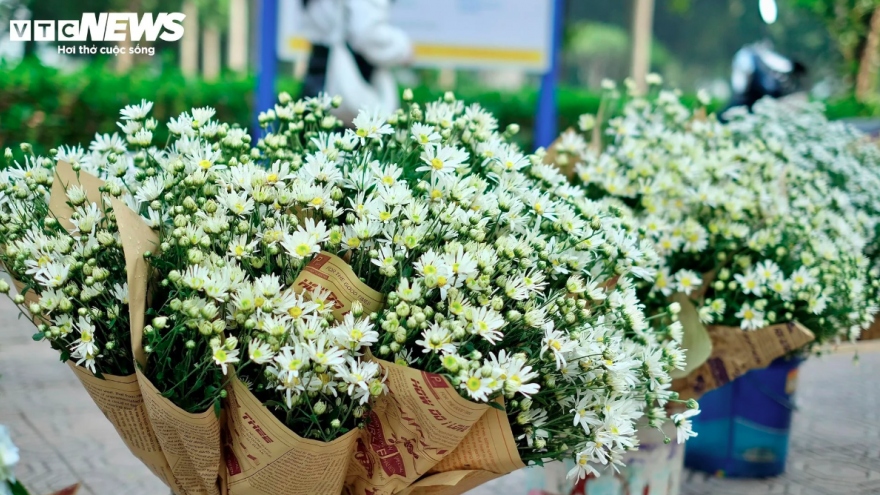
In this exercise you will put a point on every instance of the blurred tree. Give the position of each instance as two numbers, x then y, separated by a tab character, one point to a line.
237	39
594	51
214	15
855	28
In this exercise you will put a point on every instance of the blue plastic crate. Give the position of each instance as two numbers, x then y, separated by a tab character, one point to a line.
743	428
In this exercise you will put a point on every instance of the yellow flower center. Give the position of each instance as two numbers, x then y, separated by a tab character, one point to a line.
205	164
437	163
303	249
474	384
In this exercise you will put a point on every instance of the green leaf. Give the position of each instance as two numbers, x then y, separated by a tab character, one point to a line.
17	488
38	336
65	356
497	406
696	341
217	407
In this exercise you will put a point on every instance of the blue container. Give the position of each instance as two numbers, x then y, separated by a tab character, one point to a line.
744	426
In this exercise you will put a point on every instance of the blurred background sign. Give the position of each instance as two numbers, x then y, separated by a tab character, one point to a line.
472	34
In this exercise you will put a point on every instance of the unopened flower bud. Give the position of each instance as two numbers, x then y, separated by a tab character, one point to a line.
377	388
357	309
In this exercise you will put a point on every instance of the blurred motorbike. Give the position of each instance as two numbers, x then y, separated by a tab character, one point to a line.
760	72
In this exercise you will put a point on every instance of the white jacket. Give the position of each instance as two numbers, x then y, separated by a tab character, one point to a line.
364	26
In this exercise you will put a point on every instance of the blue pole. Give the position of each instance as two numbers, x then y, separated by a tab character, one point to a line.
268	58
545	121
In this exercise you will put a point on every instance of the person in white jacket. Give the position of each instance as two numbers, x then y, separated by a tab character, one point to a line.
353	49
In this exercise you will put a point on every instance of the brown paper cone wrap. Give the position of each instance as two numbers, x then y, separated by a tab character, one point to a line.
412	429
119	398
419	423
736	351
331	273
488	451
263	457
190	442
137	238
65	176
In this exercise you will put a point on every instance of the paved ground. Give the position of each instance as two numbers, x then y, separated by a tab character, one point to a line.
63	437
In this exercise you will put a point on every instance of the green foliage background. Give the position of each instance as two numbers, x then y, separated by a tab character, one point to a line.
48	107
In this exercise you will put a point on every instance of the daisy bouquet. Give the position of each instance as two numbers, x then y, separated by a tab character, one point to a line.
844	163
752	236
65	257
405	290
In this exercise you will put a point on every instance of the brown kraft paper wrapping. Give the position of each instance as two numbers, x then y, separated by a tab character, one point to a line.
190	442
119	398
65	177
265	458
332	273
489	446
409	431
488	451
421	421
736	351
137	238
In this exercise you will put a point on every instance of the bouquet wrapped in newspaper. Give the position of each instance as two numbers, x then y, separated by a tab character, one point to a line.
397	308
845	161
764	247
